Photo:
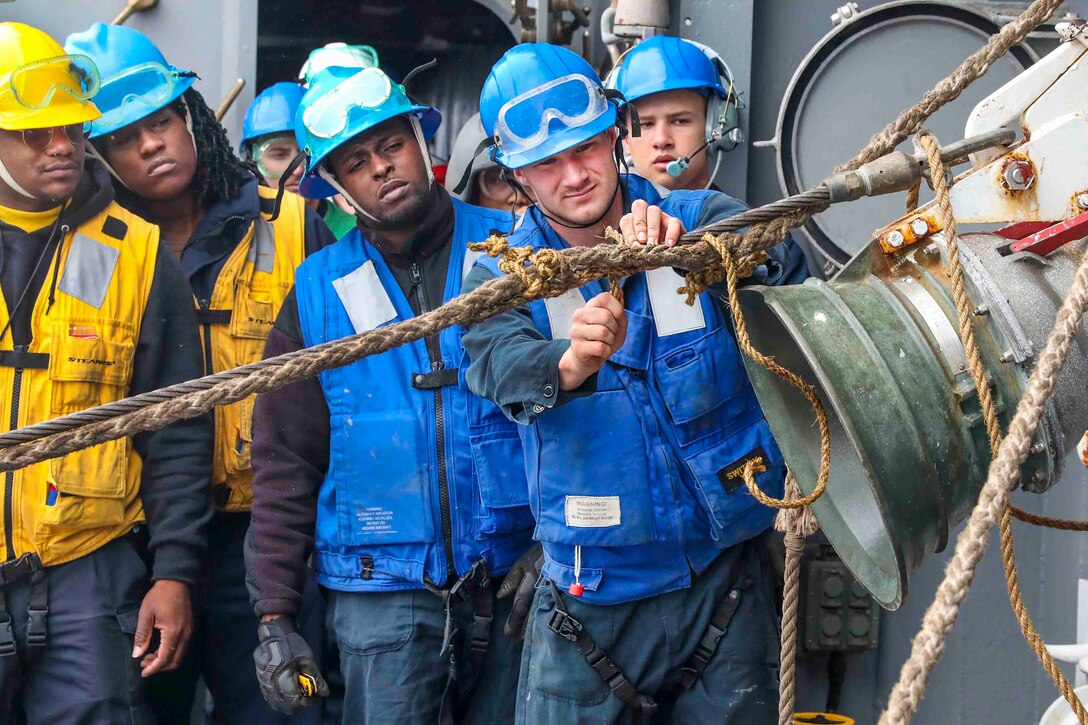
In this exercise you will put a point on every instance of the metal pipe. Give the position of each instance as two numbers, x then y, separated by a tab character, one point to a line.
229	100
133	7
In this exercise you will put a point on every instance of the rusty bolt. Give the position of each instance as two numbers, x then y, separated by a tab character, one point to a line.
1018	175
1036	449
1082	201
920	227
895	239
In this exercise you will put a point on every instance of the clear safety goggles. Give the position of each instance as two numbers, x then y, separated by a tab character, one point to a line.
274	155
523	122
338	54
34	85
148	84
328	116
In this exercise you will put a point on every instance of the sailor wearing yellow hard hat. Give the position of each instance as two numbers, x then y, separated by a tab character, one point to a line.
92	311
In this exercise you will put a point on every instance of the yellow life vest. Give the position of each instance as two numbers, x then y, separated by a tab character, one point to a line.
81	355
247	297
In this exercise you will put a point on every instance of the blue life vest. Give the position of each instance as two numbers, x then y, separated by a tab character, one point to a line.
418	465
642	479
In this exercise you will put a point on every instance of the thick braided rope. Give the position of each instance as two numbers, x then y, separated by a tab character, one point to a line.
971	544
796	524
910	121
965	318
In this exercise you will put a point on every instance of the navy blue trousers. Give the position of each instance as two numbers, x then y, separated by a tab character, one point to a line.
85	672
650	640
394	671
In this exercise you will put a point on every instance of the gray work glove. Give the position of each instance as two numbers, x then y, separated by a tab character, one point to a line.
286	669
521	582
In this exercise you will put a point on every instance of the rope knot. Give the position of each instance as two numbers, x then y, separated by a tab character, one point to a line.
695	283
534	269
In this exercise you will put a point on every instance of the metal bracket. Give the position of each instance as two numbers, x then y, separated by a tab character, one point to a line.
845	14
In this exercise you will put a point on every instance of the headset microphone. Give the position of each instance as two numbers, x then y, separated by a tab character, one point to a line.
675	168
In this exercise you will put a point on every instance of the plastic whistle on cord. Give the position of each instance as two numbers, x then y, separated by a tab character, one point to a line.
576	589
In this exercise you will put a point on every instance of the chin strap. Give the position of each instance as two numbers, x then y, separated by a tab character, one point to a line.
327	176
189	125
418	130
102	159
10	181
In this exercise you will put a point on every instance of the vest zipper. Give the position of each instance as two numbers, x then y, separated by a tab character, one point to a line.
440	431
206	305
9	476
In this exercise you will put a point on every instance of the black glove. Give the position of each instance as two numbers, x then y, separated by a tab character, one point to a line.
521	582
286	669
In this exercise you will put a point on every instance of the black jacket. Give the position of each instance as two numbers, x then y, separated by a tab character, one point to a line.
176	459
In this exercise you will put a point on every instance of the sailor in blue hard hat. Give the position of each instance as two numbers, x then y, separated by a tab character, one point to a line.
173	164
635	415
408	489
268	133
687	110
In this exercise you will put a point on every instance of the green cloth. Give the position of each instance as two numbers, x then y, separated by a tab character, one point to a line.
339	221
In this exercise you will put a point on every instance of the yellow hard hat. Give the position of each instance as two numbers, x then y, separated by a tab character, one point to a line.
40	85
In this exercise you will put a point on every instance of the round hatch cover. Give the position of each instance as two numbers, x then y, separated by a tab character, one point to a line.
854	82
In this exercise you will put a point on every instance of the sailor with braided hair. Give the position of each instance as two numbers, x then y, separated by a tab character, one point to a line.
172	164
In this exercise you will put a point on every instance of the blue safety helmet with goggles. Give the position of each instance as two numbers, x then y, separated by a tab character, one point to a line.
272	111
342	103
540	100
136	79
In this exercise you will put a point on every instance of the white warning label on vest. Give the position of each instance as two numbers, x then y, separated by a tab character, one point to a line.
374	520
590	512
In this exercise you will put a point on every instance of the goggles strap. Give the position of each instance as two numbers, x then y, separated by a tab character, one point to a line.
300	157
416	71
10	181
623	105
463	181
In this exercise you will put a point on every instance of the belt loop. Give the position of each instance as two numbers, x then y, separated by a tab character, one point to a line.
7	637
37	628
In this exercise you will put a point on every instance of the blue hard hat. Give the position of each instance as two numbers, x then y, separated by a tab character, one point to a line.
540	100
342	103
665	63
272	111
136	79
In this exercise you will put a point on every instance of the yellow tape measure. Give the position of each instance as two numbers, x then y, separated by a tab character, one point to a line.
307	684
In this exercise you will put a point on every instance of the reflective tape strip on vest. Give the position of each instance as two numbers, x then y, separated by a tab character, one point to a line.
82	353
380	501
251	287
